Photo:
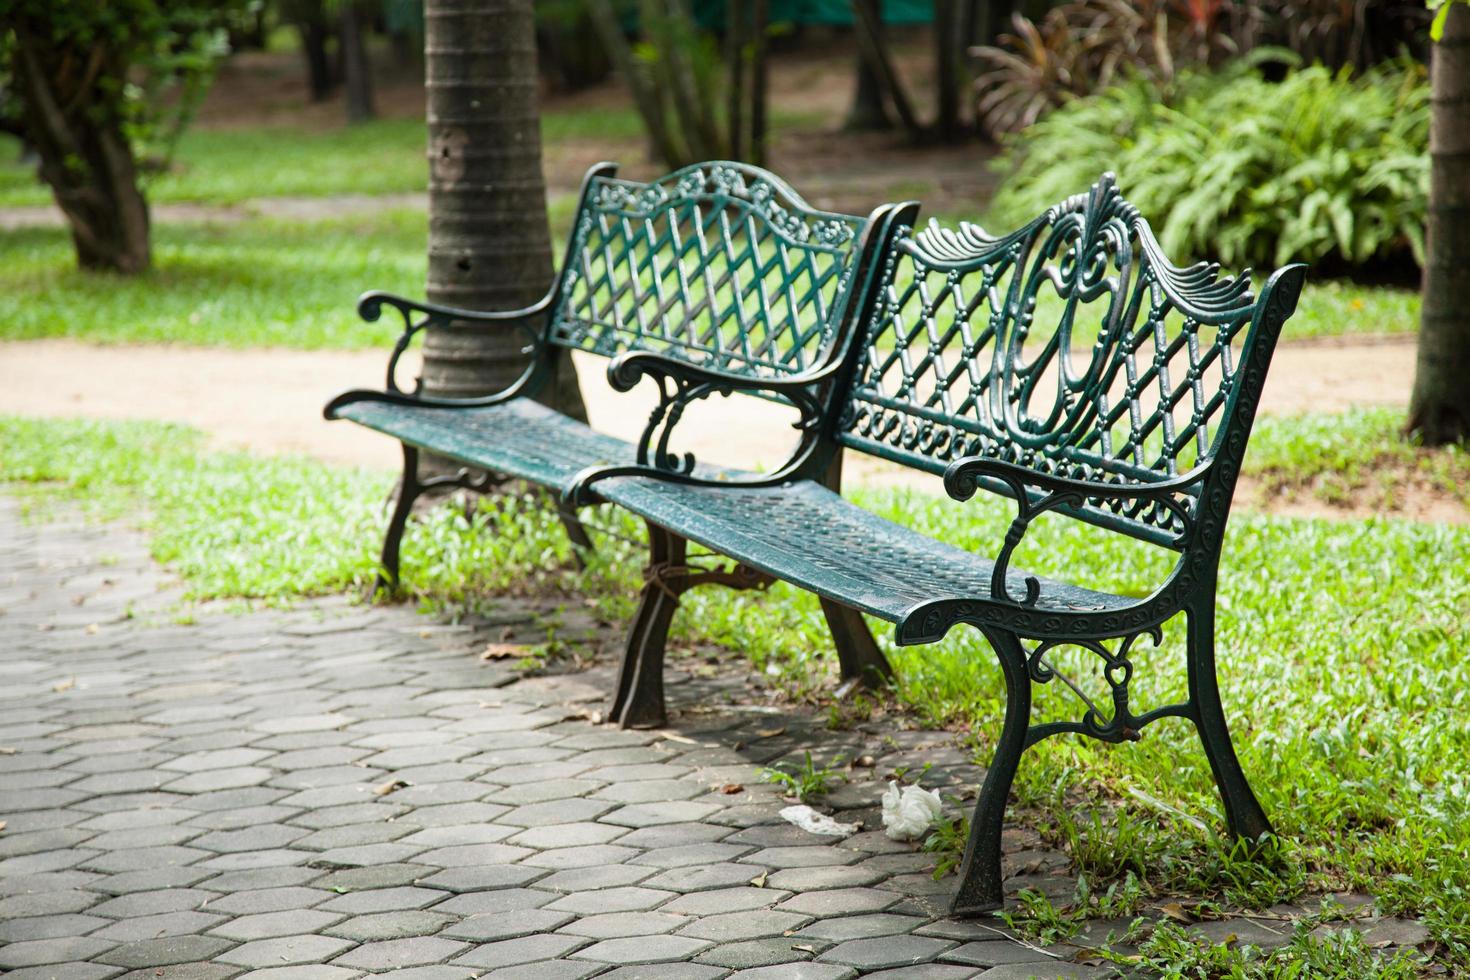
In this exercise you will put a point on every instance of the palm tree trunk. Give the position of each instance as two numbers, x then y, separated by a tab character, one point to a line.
1439	410
357	70
489	243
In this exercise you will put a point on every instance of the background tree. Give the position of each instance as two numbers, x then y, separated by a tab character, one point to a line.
83	84
357	69
1439	410
489	240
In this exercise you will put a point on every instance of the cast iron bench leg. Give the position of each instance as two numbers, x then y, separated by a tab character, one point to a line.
857	652
639	699
980	888
408	491
1243	814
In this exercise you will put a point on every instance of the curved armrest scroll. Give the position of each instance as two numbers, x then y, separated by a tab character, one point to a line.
370	308
1036	493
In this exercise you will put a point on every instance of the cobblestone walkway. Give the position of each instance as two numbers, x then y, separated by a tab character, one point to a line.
336	790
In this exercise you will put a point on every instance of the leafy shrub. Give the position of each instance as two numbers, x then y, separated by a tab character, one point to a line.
1319	166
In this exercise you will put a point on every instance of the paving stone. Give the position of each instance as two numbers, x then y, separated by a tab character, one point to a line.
383	900
38	952
654	814
587	879
886	952
49	927
268	925
759	952
261	900
994	954
1055	970
398	953
253	878
614	925
497	926
165	952
567	835
725	900
802	856
642	949
286	951
158	926
676	835
390	925
368	854
628	899
925	971
730	927
665	971
249	839
558	811
546	970
839	901
501	900
362	879
798	971
46	903
559	858
704	877
481	878
218	779
312	972
65	971
455	834
847	927
513	952
220	759
520	794
442	971
828	876
468	854
650	791
151	879
154	903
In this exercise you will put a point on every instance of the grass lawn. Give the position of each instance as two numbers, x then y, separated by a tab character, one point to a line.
277	282
1342	653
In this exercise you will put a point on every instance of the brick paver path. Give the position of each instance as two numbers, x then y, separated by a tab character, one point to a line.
335	790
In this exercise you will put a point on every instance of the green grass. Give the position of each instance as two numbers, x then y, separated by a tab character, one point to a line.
1354	456
385	156
1342	649
278	282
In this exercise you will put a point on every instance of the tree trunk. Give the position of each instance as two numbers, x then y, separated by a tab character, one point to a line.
1439	410
321	73
85	155
868	111
357	72
489	242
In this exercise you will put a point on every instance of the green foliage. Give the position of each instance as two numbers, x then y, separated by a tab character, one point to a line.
1172	953
1360	454
806	782
1342	653
947	842
1441	10
1320	165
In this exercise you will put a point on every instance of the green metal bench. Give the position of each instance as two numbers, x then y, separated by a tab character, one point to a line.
1069	366
719	267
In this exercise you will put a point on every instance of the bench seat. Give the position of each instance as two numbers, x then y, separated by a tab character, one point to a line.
805	534
520	438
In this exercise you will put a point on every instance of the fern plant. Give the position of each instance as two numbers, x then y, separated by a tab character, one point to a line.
1319	166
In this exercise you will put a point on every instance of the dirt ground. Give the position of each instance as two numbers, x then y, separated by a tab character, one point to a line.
270	401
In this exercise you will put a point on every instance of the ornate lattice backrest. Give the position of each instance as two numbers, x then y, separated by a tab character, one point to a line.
1072	346
721	265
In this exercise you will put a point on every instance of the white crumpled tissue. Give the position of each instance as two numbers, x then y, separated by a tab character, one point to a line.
909	812
813	822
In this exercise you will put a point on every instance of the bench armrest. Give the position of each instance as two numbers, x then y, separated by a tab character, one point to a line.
1036	493
679	385
418	314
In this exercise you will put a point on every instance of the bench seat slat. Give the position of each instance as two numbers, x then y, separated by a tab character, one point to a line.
811	537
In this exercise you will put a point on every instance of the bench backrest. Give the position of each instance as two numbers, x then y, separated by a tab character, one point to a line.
719	264
1071	346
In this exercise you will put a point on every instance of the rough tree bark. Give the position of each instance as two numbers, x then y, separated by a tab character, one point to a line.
489	242
84	153
868	110
321	72
1439	410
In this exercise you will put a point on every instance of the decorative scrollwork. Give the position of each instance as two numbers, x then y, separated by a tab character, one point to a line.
1071	346
1121	723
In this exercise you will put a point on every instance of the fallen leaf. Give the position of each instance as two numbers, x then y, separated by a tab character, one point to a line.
7	750
391	786
759	880
804	949
678	738
1176	912
2	824
91	629
503	651
770	732
729	788
65	685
